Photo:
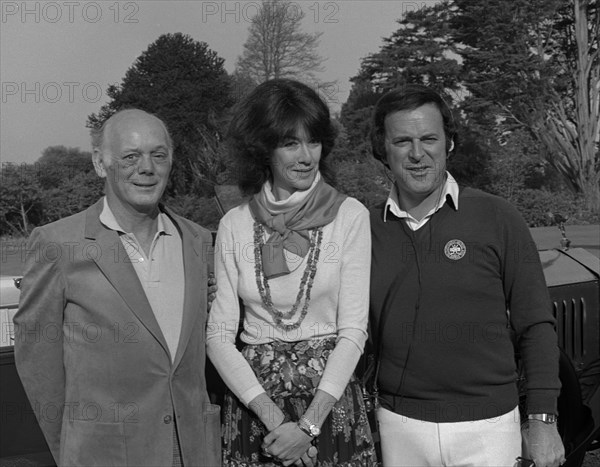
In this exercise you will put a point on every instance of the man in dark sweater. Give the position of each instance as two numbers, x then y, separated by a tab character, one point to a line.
456	284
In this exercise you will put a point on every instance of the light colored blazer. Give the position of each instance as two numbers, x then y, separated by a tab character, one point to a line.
92	357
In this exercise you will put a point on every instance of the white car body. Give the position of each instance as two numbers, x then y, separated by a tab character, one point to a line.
9	302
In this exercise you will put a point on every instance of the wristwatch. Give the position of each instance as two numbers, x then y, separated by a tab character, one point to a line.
548	418
309	427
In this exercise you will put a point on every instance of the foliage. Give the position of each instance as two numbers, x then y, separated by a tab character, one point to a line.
73	194
68	181
357	174
203	211
536	66
363	181
183	82
20	199
525	81
418	52
469	162
60	183
357	126
533	67
515	171
241	85
536	205
58	163
276	47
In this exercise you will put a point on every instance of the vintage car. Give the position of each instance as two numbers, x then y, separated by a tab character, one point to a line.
21	440
572	275
573	279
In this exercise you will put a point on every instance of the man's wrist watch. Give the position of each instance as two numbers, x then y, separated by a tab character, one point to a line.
548	418
309	427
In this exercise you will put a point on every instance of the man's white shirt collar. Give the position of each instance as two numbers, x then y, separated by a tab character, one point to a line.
393	204
109	220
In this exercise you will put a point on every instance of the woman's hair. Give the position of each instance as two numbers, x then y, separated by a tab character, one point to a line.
408	97
271	113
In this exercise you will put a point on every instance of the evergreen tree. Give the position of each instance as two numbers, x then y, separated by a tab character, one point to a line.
184	83
536	66
533	66
420	51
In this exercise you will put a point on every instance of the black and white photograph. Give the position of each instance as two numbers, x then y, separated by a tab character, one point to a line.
312	233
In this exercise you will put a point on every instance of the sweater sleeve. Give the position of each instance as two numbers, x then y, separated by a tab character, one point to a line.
353	301
530	312
224	320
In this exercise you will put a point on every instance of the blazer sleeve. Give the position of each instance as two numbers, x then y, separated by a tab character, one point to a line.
39	335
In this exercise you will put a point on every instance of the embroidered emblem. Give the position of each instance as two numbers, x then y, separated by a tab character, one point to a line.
455	249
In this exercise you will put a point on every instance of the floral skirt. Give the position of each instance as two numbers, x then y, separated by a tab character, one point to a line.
290	373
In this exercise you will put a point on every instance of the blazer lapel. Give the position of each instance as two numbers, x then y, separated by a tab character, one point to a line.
195	282
114	263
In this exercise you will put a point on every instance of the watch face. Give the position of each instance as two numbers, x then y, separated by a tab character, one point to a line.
315	430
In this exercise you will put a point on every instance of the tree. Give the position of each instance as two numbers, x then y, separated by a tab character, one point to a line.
68	182
75	193
418	52
276	47
20	199
241	85
59	163
537	66
60	183
571	128
183	82
534	66
356	115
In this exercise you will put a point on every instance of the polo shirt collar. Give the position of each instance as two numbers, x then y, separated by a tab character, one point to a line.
450	190
109	220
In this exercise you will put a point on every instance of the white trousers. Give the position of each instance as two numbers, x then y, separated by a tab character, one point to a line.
406	442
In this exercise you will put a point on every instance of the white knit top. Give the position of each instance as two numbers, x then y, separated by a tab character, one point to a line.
338	305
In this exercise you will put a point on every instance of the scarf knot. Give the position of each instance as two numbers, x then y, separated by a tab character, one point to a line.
290	227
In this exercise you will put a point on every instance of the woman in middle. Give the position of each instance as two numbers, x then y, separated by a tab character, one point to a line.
298	256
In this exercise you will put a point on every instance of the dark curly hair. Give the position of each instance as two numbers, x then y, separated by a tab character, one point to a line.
408	97
271	113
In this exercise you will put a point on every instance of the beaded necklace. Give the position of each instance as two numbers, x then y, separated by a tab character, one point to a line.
306	283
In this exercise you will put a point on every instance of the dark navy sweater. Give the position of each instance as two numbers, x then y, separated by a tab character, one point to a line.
438	307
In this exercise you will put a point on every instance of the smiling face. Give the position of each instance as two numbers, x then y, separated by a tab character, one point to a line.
135	158
294	164
415	147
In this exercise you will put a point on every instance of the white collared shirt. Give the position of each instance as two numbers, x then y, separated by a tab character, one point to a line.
393	204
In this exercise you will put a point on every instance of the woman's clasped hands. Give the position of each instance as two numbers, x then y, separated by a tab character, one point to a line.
290	445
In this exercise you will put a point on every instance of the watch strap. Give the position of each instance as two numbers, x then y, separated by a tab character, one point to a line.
308	427
548	418
304	429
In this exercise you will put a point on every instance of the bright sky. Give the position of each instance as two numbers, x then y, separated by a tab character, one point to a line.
57	58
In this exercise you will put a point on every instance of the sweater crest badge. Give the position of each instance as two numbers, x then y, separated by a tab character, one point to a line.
455	249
